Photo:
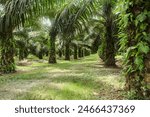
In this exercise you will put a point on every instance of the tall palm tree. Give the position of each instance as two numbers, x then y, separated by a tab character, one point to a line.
52	52
70	20
15	14
108	41
22	43
134	25
134	40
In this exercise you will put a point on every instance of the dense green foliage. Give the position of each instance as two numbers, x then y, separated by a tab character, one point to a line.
72	29
135	40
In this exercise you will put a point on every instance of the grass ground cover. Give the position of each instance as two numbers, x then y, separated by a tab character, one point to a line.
85	79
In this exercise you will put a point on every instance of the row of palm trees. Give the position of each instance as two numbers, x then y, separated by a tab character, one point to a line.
72	20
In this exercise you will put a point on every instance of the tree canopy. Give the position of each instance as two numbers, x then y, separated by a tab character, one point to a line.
76	28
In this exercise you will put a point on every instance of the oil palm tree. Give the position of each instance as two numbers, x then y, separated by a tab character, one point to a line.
134	40
108	18
134	26
70	21
15	14
21	43
53	33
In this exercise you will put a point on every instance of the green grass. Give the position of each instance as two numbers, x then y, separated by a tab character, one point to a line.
85	79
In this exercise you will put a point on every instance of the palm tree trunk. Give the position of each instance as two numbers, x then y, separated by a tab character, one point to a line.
96	44
60	53
108	41
80	52
52	57
7	54
87	52
83	53
75	51
67	51
109	48
40	55
21	54
136	57
26	53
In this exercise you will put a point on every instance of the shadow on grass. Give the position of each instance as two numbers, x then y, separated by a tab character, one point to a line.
69	87
65	80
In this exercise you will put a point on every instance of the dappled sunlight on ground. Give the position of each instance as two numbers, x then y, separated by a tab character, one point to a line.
80	79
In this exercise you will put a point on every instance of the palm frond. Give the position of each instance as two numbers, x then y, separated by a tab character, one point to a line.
18	11
72	18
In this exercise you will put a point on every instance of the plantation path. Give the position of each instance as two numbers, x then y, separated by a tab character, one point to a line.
80	79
